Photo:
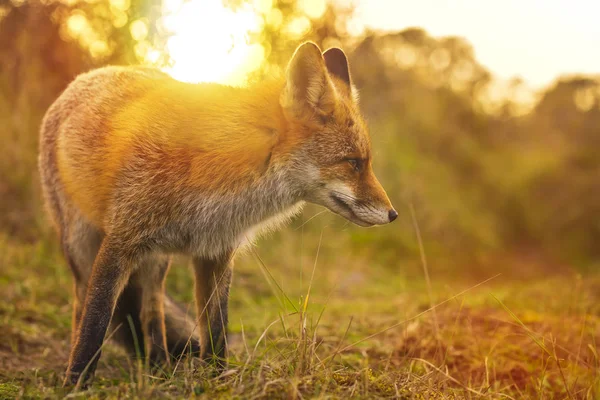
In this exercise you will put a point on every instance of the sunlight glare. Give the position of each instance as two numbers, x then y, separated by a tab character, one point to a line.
210	42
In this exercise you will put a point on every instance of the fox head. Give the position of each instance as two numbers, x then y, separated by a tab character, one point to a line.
321	107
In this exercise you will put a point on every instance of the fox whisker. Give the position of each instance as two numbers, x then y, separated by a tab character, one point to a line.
355	200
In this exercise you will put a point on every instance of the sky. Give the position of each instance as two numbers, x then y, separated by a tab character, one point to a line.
537	40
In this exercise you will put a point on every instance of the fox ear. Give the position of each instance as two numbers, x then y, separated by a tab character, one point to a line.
308	86
337	65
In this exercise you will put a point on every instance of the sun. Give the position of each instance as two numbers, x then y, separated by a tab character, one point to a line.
210	42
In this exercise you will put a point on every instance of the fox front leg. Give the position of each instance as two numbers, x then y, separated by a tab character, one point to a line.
213	278
110	274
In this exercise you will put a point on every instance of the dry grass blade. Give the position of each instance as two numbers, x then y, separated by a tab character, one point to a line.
449	377
425	267
537	341
529	332
418	315
310	219
271	279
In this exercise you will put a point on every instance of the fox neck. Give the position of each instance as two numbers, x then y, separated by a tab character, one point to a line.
248	110
264	187
224	222
235	137
258	106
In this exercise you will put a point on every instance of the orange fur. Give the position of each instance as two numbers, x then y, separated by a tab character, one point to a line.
222	137
136	166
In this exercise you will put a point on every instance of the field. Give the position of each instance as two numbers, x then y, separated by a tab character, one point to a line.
486	286
311	327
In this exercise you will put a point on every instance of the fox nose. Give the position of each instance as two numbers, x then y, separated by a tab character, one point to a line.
392	215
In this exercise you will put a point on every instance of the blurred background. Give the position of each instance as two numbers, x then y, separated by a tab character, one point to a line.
484	120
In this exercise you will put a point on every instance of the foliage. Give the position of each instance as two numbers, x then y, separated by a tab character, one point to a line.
484	176
497	184
350	332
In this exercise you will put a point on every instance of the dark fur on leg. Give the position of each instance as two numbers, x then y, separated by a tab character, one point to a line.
126	321
110	274
213	278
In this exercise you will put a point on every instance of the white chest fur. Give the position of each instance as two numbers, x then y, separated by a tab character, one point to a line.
213	224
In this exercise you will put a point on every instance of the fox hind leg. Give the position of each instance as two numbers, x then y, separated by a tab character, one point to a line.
150	279
168	331
164	330
182	330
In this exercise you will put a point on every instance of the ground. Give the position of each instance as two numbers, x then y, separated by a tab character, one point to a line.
346	331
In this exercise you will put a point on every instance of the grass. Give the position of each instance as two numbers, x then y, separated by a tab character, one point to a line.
332	327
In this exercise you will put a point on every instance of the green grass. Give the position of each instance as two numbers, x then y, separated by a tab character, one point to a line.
352	330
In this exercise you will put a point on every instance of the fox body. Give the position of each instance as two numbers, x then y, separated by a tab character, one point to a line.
136	166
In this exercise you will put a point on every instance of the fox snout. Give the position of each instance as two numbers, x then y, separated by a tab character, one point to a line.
364	206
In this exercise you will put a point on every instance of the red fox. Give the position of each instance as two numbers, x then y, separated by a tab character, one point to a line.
136	166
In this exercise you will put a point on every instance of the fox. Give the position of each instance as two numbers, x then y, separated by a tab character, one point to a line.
136	166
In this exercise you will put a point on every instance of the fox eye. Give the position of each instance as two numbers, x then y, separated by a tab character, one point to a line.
325	118
355	163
